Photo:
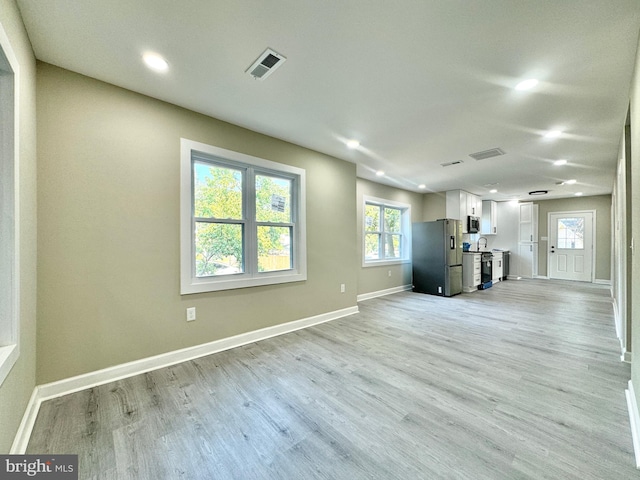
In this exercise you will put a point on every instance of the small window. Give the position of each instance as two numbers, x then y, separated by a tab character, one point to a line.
243	220
386	231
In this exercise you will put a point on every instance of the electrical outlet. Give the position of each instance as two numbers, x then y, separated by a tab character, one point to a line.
191	314
342	288
389	272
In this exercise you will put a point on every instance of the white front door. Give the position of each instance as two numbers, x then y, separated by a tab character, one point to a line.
571	246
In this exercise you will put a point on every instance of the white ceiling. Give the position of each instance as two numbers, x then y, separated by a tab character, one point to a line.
417	82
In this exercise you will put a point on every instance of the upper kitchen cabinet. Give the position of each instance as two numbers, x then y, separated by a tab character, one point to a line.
489	224
528	222
461	204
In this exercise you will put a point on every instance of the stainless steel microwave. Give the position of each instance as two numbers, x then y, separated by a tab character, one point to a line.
473	224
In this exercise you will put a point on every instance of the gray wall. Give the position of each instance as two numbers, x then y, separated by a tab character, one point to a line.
434	206
18	386
374	279
108	212
602	205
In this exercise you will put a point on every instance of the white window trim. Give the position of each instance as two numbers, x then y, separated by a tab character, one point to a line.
406	231
189	283
10	218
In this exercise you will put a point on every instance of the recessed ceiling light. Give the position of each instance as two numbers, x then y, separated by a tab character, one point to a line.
553	134
527	84
353	144
578	194
379	173
571	182
559	183
422	186
155	62
493	190
560	162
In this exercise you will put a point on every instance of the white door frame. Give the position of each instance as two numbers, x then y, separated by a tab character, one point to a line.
593	239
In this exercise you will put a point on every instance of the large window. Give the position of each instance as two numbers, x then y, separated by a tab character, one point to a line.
386	230
243	220
9	209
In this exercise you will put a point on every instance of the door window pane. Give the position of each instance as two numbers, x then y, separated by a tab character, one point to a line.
571	233
218	249
274	248
217	191
273	199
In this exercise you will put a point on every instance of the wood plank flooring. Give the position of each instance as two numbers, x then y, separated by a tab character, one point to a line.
521	381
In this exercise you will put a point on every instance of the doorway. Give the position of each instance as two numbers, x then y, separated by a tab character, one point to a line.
571	245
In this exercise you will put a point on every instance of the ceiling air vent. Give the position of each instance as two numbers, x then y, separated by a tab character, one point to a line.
494	152
266	64
451	163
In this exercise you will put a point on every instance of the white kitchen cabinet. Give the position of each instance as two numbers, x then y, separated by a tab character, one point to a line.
527	260
460	204
489	218
497	267
471	271
528	222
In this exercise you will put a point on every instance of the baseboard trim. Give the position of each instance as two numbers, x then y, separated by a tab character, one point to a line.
69	385
634	420
382	293
626	356
21	440
541	277
601	281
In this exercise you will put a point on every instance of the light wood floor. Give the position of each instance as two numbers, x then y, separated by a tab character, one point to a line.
519	381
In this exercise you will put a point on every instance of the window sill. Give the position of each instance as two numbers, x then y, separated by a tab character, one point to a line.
8	357
207	285
383	263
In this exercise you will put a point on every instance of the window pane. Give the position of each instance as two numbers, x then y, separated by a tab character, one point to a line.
392	217
274	248
372	218
392	246
571	233
217	191
218	249
273	199
372	246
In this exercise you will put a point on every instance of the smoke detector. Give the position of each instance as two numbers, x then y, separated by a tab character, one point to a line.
266	64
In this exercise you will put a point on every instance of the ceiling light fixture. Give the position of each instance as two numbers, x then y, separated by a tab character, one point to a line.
422	186
571	182
553	134
560	162
527	84
155	62
353	144
493	190
578	194
379	173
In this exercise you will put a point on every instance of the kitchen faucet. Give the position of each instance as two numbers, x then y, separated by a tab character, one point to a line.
485	243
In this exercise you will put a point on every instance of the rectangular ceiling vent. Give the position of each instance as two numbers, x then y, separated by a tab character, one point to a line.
266	64
494	152
451	163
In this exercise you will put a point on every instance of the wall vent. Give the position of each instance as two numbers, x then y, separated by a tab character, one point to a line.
266	64
494	152
451	163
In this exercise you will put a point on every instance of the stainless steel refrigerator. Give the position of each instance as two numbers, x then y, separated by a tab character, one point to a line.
437	257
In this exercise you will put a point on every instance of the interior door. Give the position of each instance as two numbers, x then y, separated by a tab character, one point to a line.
571	246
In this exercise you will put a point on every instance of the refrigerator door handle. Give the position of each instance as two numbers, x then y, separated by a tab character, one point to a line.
452	242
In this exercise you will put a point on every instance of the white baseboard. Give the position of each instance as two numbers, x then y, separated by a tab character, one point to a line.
634	420
21	440
601	281
381	293
118	372
626	356
541	277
